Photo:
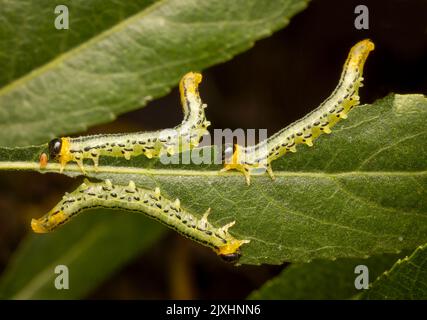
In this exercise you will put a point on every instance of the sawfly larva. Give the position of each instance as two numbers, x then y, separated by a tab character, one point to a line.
152	144
258	158
132	198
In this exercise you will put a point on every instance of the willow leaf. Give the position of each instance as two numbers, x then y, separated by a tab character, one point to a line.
360	191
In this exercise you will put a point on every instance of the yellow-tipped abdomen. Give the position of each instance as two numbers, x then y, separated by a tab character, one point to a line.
38	227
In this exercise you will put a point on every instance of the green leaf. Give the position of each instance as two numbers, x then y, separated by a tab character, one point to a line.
321	279
407	279
27	27
93	248
358	192
128	64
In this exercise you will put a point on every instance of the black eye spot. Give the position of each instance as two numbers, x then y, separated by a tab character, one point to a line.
55	148
231	257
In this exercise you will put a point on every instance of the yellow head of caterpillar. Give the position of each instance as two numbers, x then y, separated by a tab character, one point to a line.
59	149
190	83
38	227
191	80
359	53
51	221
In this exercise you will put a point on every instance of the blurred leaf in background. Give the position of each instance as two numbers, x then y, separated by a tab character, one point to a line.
92	248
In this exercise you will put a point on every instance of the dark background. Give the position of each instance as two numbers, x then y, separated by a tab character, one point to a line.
276	82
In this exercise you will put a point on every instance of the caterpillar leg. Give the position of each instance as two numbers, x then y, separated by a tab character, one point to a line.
238	168
80	164
95	160
238	163
270	172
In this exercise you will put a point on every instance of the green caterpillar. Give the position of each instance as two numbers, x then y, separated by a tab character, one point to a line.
152	144
152	203
258	158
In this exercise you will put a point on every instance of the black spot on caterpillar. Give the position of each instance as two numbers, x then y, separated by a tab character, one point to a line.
131	198
152	144
258	158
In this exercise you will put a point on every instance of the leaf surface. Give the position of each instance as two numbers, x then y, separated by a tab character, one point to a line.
322	279
358	192
407	279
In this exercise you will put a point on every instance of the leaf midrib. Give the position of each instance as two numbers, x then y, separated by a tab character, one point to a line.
72	168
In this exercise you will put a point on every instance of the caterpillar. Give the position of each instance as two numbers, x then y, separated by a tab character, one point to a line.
132	198
152	144
252	159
